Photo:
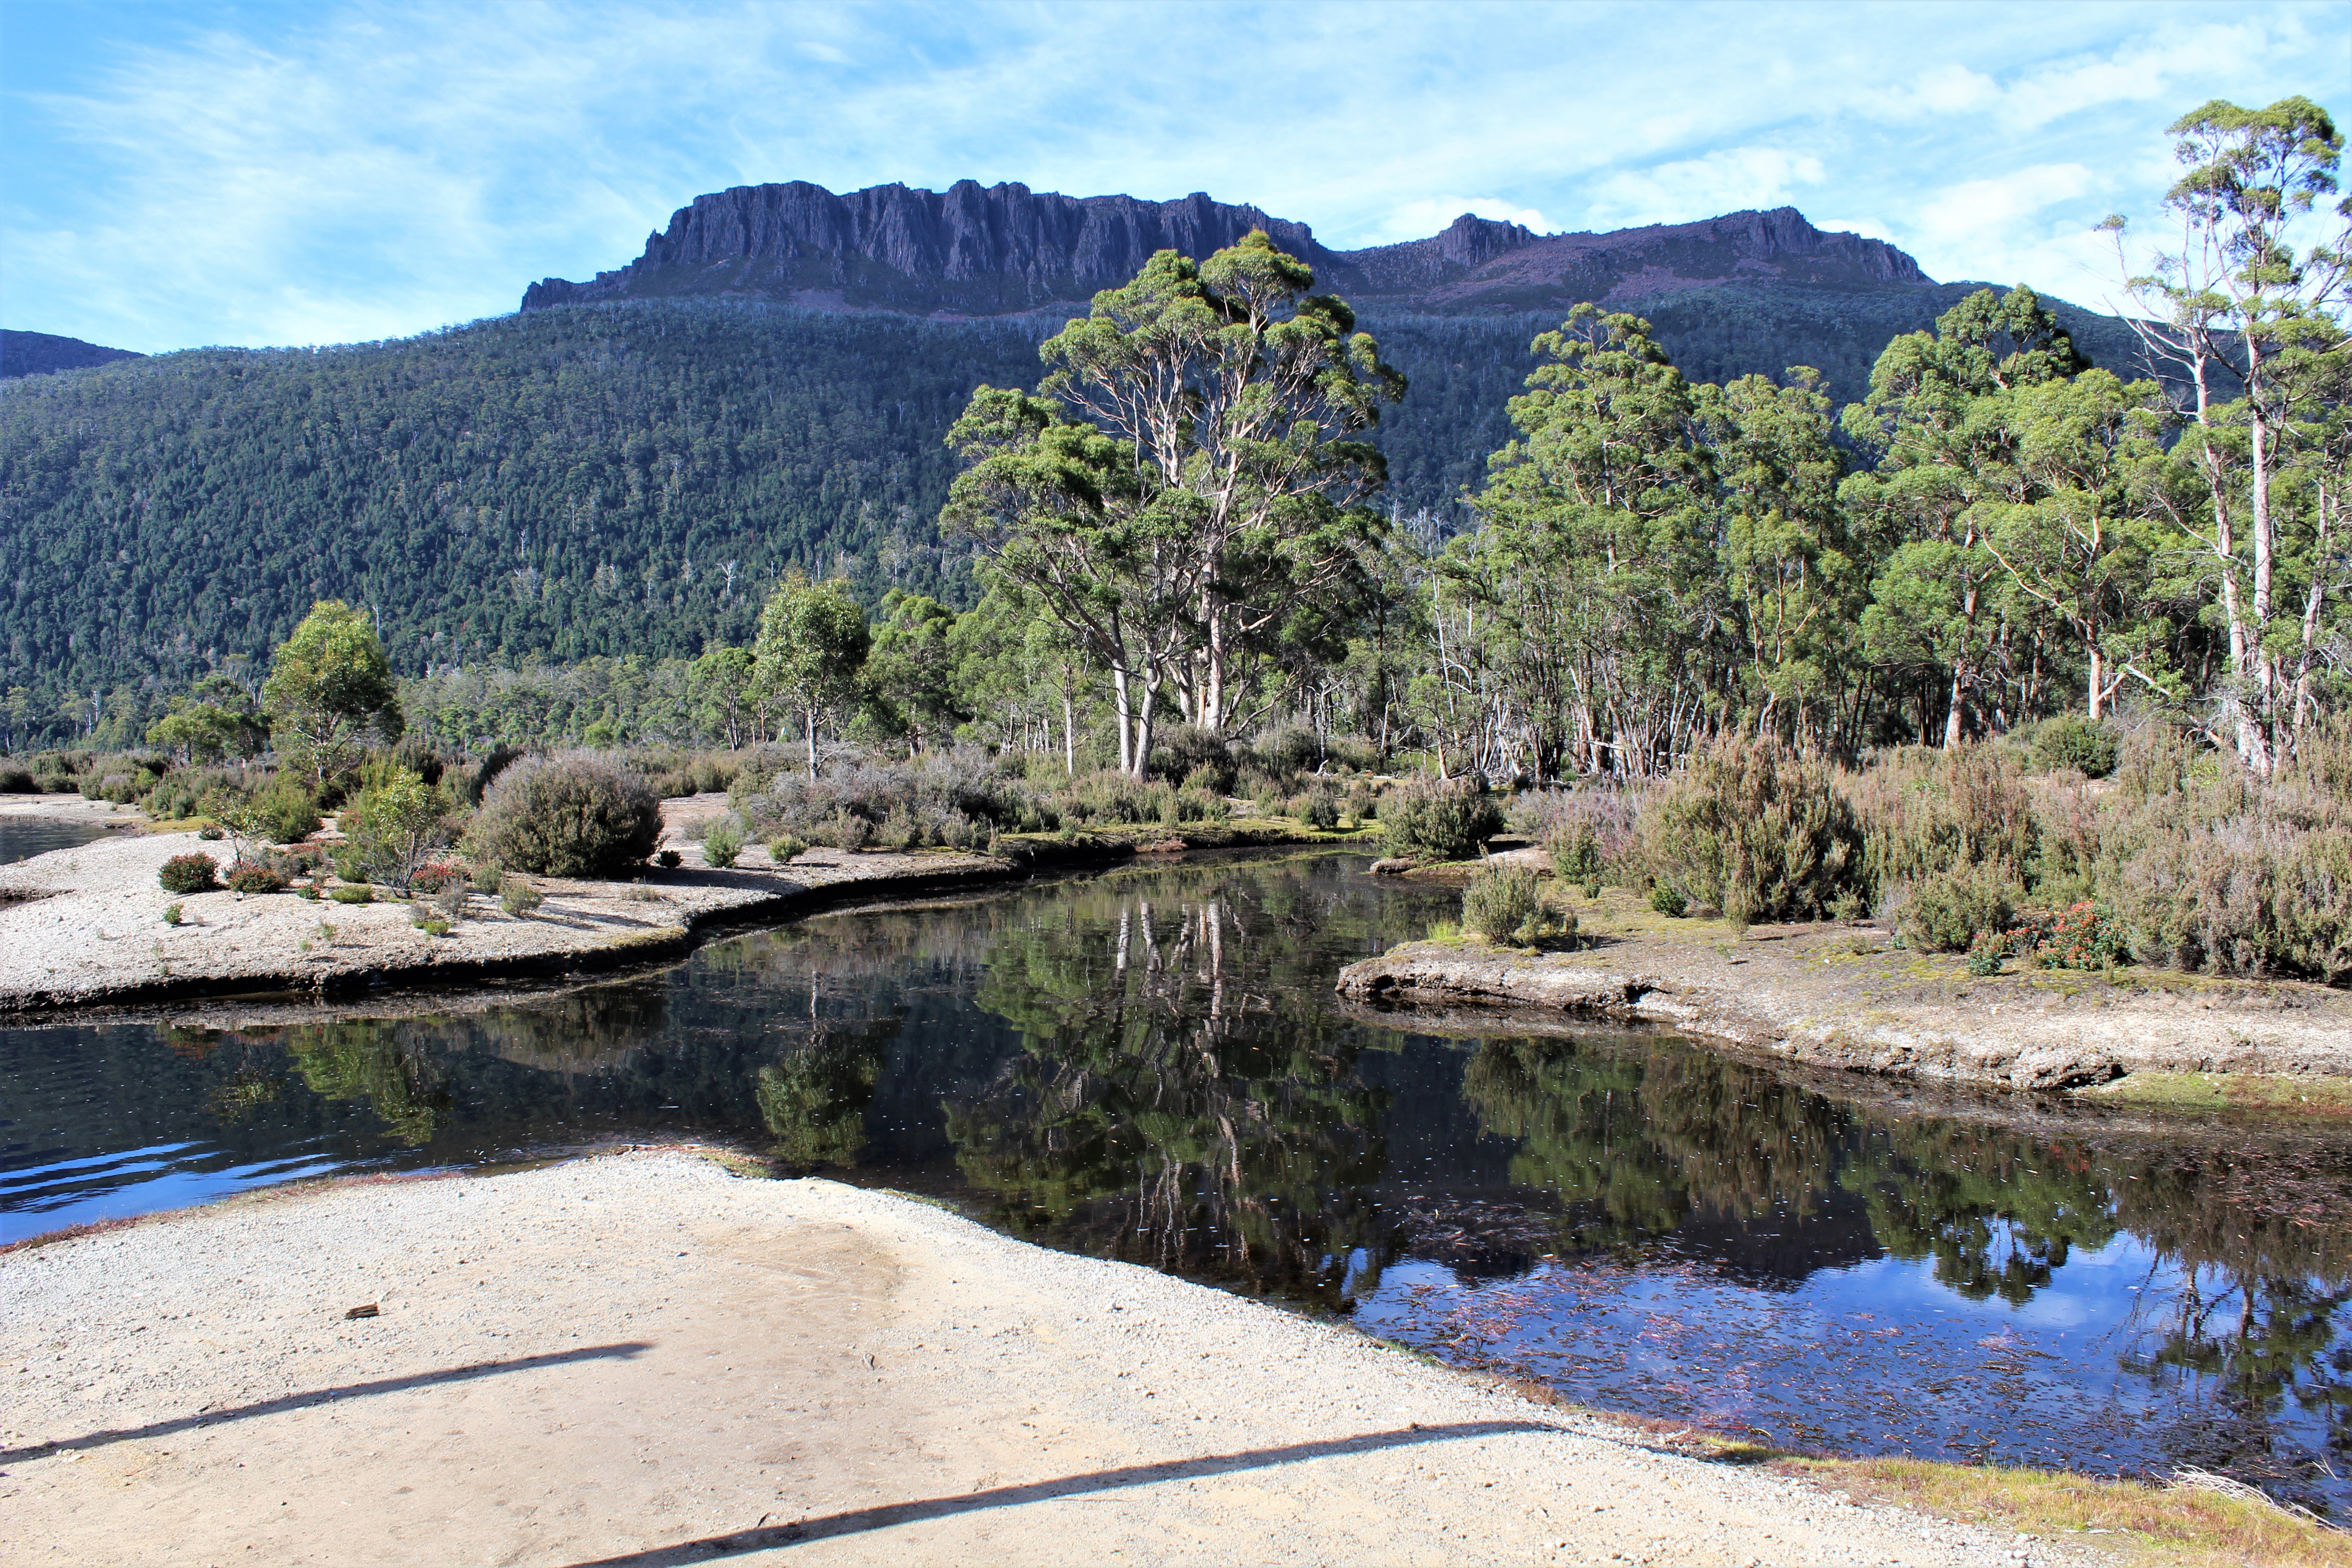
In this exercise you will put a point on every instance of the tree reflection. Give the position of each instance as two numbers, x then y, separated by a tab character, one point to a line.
1183	1097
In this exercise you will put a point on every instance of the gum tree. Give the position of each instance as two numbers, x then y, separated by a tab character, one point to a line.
329	689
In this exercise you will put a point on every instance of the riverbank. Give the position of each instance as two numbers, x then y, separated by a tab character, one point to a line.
85	927
1842	997
638	1359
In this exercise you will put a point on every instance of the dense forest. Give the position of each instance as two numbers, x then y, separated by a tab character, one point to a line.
611	481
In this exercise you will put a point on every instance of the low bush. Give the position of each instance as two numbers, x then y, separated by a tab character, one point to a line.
784	846
1755	831
1319	809
1200	758
191	873
1499	901
567	816
2084	936
18	780
721	845
519	895
394	829
1432	819
453	901
1947	913
435	874
1985	951
940	797
2075	741
1363	803
254	877
353	895
670	859
172	915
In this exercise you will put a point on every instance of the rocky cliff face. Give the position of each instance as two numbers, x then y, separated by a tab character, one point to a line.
1006	249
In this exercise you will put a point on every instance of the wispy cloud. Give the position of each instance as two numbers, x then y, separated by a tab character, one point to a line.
362	168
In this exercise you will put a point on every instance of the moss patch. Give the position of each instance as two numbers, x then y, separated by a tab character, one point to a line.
2330	1098
2136	1521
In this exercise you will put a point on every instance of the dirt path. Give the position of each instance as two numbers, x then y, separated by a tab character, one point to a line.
1842	997
639	1359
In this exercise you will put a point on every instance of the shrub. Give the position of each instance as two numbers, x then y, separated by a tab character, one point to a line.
210	834
171	915
1321	809
422	917
721	845
668	860
1668	900
452	899
285	812
308	890
568	816
1499	901
16	780
1292	749
1434	819
1363	805
2083	936
435	874
254	877
191	873
353	895
1985	952
1945	914
1183	752
2075	741
1755	831
489	878
392	830
784	846
941	795
1925	812
1197	806
517	896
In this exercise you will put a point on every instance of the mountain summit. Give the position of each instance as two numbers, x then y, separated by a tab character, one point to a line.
975	250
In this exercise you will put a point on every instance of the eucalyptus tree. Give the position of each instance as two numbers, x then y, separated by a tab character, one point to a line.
1594	555
2245	327
812	647
1941	439
330	689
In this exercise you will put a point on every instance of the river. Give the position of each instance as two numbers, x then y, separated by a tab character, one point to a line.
1151	1065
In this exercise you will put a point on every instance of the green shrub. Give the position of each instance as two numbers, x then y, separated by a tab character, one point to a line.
1985	951
190	873
1925	814
568	816
1945	914
1363	805
2075	741
254	877
670	859
423	918
1668	900
517	896
1319	809
1576	853
721	845
395	830
453	901
308	891
784	846
1181	751
1197	806
285	812
171	915
1499	901
1435	819
1755	831
353	895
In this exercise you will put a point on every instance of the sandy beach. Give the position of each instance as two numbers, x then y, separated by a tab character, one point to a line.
640	1358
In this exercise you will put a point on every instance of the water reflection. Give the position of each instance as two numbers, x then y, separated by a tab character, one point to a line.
1150	1065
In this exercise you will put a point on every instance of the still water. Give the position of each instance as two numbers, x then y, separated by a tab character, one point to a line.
1151	1065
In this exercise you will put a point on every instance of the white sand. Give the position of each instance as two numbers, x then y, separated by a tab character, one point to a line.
639	1359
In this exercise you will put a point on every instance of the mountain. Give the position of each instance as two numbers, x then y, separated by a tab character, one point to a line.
37	353
624	466
1005	249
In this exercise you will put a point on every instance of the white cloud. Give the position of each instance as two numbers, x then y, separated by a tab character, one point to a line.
364	167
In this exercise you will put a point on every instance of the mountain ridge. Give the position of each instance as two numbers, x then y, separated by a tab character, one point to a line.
999	250
39	354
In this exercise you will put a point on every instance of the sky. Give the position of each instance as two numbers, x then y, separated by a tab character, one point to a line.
187	173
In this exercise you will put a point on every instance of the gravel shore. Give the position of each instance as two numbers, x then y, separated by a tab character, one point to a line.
641	1360
1842	997
85	926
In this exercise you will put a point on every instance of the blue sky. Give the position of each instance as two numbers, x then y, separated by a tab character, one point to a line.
186	173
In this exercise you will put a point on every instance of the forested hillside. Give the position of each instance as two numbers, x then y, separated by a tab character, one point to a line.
629	479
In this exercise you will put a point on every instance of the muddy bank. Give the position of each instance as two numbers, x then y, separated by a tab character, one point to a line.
1841	998
638	1359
